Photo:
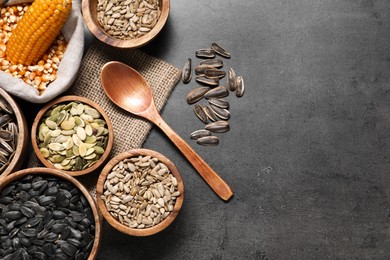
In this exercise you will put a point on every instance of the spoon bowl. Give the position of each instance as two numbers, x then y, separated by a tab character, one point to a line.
124	88
130	91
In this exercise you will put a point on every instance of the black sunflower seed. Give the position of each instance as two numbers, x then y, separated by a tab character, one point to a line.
25	241
46	200
51	191
58	227
32	222
7	190
29	232
69	249
51	237
27	212
49	249
12	215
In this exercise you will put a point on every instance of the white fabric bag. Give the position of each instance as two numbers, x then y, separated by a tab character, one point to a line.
73	32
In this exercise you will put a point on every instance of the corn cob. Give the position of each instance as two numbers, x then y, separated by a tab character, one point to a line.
37	30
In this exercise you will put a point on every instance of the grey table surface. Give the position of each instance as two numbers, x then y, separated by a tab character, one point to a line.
308	153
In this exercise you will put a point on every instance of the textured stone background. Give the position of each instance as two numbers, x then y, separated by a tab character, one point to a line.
308	153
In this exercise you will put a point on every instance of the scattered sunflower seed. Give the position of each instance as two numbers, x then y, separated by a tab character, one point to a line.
221	51
205	53
199	112
218	127
200	133
218	92
207	81
196	94
240	86
186	73
208	140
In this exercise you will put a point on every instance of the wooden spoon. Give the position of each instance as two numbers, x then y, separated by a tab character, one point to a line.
130	91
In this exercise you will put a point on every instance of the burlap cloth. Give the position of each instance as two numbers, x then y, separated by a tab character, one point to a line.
129	131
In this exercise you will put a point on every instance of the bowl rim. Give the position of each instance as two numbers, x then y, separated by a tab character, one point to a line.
71	98
95	28
57	173
144	231
20	151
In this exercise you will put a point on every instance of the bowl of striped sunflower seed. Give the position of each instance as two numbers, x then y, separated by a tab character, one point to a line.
45	214
72	134
125	24
140	192
13	135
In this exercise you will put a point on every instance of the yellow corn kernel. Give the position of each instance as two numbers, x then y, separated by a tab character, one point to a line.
37	30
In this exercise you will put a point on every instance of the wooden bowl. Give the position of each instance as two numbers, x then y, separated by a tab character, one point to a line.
125	228
20	151
89	8
67	99
56	173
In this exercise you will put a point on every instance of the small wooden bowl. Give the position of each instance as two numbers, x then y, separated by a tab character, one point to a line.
89	8
67	99
144	231
52	172
20	151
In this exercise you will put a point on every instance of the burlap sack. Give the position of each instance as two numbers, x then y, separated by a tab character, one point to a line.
73	32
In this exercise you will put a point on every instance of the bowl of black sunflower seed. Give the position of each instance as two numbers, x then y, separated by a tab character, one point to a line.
45	214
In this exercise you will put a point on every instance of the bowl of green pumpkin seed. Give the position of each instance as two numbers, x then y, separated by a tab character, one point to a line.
72	134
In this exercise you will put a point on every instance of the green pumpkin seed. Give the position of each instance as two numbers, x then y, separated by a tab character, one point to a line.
76	140
90	157
67	125
88	130
57	158
51	124
90	139
75	150
54	117
79	121
80	109
65	162
68	144
69	153
55	146
98	150
82	150
81	133
86	117
78	163
68	132
89	151
44	152
55	133
61	117
92	112
57	109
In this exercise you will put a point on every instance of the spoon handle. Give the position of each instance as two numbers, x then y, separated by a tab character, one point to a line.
217	184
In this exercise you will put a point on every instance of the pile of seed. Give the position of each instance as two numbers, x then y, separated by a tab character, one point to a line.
39	75
9	133
43	217
215	114
72	136
140	192
127	19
